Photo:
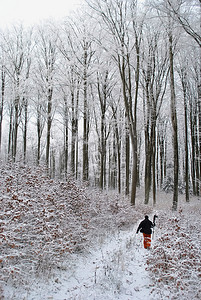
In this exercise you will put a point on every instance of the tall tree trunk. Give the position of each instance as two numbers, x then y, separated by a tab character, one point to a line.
154	164
193	128
77	149
199	106
134	170
10	134
52	164
162	149
25	128
15	128
148	173
73	134
49	124
127	158
131	110
174	124
65	136
2	102
102	153
113	163
117	151
16	120
148	140
85	124
134	125
77	158
197	164
184	86
40	127
119	165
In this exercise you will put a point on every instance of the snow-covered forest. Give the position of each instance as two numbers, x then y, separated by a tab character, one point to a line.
100	124
110	95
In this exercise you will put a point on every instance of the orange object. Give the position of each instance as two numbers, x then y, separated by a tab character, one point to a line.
147	240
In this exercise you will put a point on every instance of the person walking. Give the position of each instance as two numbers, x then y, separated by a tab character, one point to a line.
146	228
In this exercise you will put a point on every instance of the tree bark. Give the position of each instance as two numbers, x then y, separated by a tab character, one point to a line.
174	123
15	120
184	86
85	122
49	124
127	158
3	76
25	128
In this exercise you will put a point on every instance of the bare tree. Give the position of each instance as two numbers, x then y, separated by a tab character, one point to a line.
47	54
188	15
162	149
40	123
165	15
104	87
155	71
120	18
25	104
173	118
118	117
193	80
184	81
16	47
3	79
81	45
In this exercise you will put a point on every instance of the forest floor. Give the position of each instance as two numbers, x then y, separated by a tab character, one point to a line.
53	248
112	270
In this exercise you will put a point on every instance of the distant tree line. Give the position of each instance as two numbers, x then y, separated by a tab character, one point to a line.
111	96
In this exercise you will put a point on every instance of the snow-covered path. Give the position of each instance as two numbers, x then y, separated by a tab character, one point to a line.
115	270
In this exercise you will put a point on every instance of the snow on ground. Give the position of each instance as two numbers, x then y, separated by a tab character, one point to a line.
60	242
119	268
115	270
174	263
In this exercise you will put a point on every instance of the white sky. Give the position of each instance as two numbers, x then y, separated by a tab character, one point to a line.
33	11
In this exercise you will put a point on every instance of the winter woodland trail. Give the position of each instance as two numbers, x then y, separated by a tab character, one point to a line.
115	270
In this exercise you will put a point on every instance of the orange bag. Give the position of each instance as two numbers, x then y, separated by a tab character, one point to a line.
147	240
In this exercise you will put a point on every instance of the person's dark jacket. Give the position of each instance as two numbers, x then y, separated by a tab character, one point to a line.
145	226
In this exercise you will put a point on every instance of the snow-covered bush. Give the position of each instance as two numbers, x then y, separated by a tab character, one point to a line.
174	262
43	221
40	220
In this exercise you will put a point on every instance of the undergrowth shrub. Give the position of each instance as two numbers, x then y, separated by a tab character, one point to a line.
43	221
174	262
